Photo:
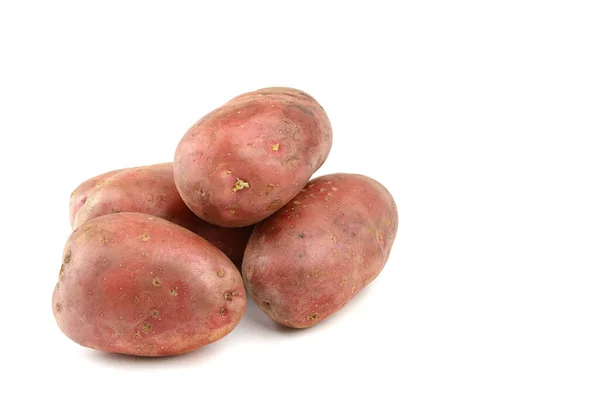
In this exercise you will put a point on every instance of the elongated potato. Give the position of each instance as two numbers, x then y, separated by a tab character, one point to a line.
151	190
136	284
310	258
246	159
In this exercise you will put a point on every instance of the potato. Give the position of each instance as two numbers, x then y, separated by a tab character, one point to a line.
246	159
310	258
151	190
136	284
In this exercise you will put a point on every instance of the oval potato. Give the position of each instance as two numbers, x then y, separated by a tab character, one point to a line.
135	284
246	159
310	258
150	190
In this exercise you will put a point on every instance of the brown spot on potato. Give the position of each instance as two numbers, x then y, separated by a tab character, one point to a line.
155	313
266	304
313	316
137	335
145	237
344	281
136	299
156	281
222	311
200	191
301	235
61	273
227	296
235	293
274	205
270	187
67	258
146	327
58	307
174	292
240	184
220	273
103	240
232	211
228	172
275	147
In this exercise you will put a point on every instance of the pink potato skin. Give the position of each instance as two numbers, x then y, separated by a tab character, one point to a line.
310	258
80	194
135	284
151	190
271	140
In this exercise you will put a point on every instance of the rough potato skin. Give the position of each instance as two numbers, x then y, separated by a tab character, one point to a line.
246	159
135	284
151	190
310	258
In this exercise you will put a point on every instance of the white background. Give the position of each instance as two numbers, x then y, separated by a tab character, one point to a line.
481	117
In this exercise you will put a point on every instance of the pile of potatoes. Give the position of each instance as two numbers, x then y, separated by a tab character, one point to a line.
152	267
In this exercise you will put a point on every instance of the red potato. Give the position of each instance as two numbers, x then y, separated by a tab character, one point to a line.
151	190
135	284
310	258
246	159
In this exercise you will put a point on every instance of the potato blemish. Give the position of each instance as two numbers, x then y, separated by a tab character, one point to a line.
274	204
145	237
146	327
58	307
220	273
67	258
312	316
155	314
240	184
174	292
222	311
275	147
156	281
227	296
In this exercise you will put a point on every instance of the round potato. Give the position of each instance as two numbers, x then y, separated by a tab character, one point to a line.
310	258
135	284
246	159
151	190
